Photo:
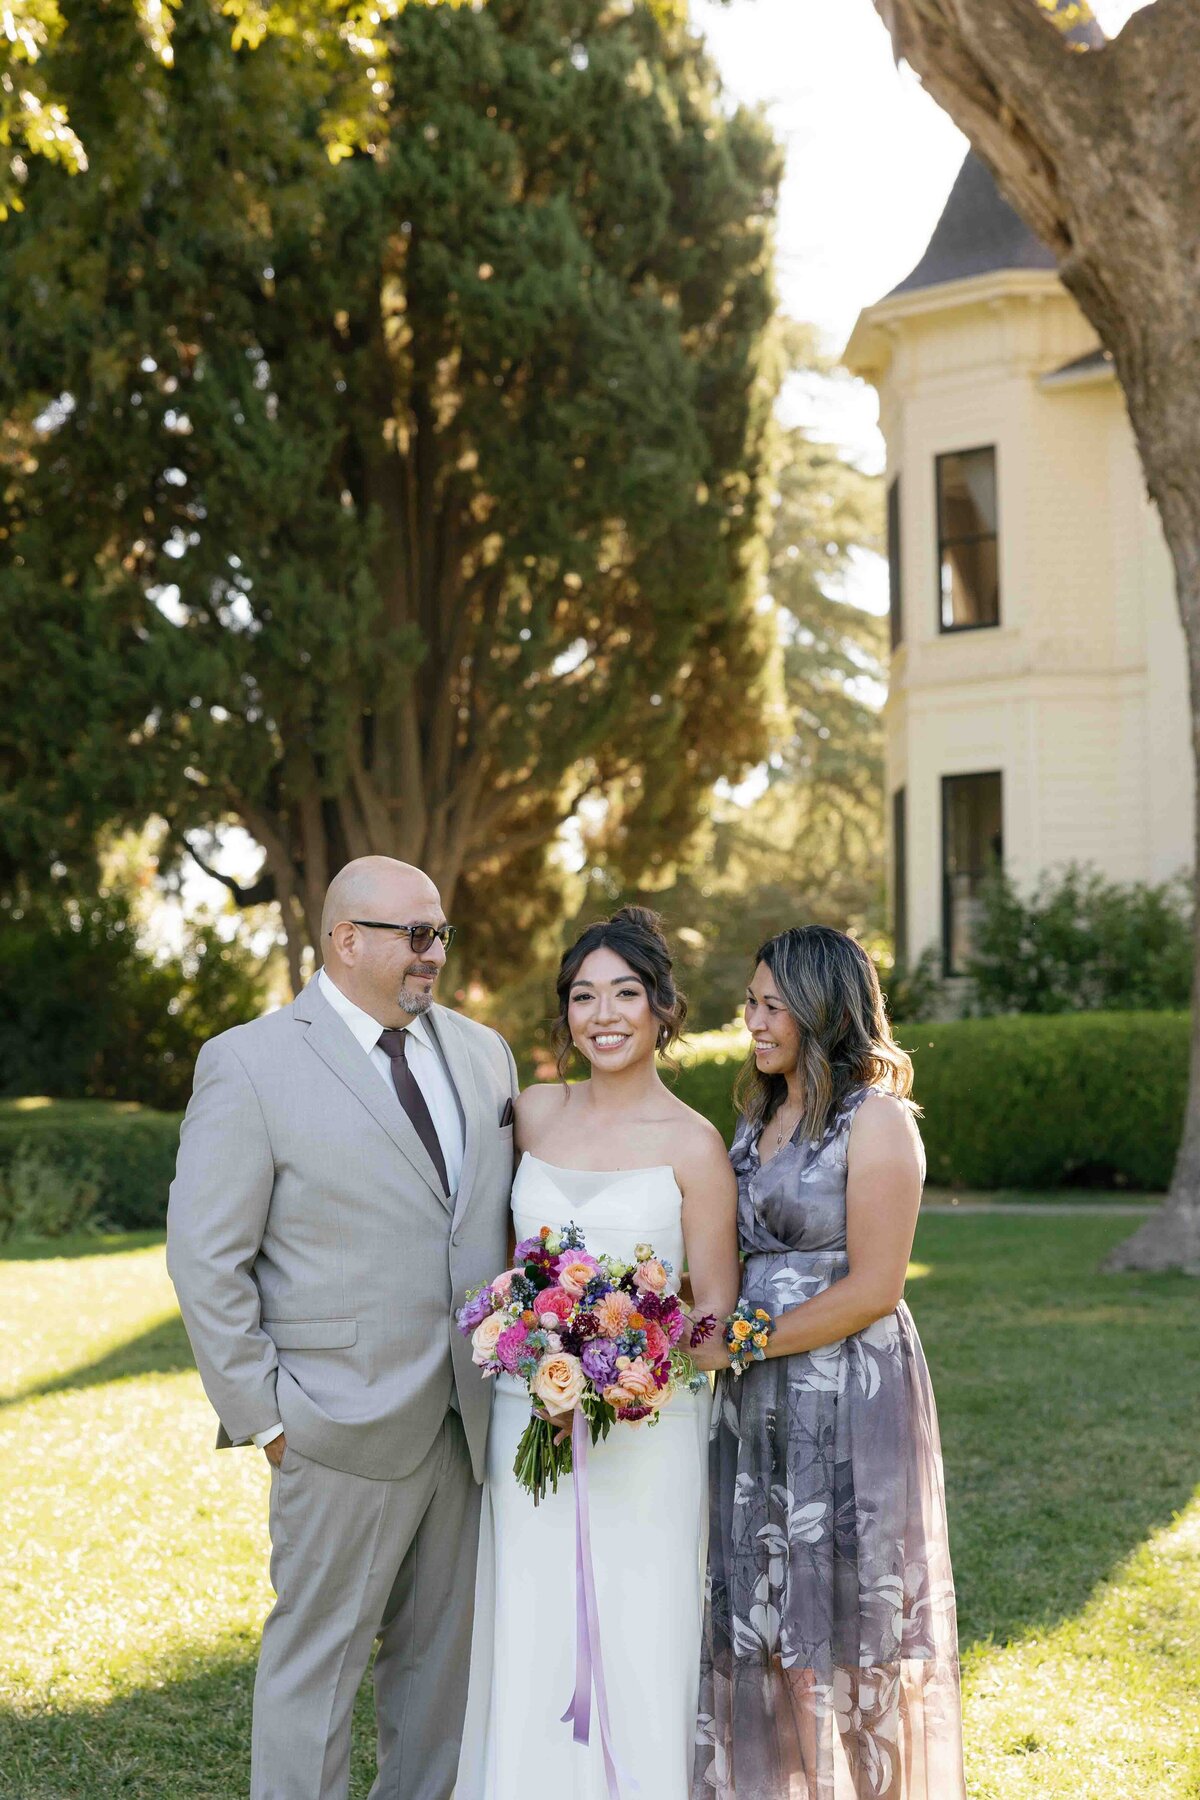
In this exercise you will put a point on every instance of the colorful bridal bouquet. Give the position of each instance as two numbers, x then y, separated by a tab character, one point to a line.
589	1335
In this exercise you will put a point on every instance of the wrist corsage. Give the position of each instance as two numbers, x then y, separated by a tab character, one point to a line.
746	1332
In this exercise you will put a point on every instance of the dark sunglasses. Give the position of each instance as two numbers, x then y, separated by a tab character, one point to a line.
419	936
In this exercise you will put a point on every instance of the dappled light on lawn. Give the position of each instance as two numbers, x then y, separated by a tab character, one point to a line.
1104	1705
134	1561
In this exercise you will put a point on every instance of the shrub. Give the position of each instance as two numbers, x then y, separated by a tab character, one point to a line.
39	1198
708	1064
86	1011
1085	1099
1080	941
123	1153
915	990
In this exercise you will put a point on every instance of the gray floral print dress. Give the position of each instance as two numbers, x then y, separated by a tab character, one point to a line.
830	1663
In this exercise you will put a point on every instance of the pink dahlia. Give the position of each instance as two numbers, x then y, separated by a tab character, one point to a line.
509	1346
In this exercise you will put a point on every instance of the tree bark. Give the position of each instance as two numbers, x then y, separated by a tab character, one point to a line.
1095	147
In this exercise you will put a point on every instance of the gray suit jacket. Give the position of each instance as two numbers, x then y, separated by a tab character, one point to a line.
316	1261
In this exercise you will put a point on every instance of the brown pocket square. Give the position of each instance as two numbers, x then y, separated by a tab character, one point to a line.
506	1117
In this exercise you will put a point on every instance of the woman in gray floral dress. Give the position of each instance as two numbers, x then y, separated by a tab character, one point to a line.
830	1666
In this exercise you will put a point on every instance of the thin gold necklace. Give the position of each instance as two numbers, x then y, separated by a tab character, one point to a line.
780	1136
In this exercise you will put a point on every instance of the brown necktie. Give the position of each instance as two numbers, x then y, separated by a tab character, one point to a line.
395	1048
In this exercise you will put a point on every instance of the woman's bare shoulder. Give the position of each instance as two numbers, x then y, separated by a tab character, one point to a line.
884	1122
696	1144
541	1100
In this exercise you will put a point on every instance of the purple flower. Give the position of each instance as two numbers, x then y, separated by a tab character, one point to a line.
599	1359
475	1311
530	1246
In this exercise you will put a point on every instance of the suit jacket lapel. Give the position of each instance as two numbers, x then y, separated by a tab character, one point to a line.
335	1045
458	1061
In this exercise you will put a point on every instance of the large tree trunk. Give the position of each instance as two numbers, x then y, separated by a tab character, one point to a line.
1096	148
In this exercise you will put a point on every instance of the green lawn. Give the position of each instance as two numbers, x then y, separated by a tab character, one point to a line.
133	1558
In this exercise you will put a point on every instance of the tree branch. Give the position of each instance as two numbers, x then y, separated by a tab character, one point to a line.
264	889
1006	75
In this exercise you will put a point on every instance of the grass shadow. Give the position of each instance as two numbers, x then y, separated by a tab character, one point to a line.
182	1735
1070	1411
161	1349
78	1244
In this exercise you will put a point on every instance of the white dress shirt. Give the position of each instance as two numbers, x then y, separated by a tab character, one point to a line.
430	1075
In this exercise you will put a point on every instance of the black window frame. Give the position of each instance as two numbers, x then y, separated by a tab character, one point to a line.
895	578
978	537
949	972
900	876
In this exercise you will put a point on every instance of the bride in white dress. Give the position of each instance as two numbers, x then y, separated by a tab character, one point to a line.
622	1158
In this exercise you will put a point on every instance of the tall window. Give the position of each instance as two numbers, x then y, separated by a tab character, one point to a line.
899	878
895	597
968	562
972	848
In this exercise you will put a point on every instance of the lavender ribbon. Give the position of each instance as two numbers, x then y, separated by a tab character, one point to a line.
589	1661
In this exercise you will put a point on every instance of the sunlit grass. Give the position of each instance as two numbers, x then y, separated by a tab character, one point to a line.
133	1560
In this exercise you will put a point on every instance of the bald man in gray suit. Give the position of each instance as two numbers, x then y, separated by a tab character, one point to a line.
343	1179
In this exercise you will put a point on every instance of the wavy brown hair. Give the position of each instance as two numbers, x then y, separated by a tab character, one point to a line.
634	934
829	986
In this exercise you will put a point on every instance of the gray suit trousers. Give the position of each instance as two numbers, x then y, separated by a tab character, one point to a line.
355	1558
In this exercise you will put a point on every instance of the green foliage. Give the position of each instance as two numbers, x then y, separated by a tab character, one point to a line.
915	991
707	1069
1082	942
64	1163
84	1010
1094	1100
394	503
1028	1102
40	1196
808	850
33	120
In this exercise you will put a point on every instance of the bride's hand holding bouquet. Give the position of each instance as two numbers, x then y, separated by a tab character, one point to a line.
586	1334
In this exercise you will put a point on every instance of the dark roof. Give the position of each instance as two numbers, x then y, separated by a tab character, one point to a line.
1079	369
977	234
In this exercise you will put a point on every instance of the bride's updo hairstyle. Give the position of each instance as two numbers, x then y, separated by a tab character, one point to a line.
635	935
829	986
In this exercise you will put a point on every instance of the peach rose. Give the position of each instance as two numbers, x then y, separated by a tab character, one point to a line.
650	1276
485	1337
558	1383
657	1341
612	1314
575	1270
503	1282
634	1385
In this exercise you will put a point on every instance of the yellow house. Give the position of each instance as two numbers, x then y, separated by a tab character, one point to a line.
1037	710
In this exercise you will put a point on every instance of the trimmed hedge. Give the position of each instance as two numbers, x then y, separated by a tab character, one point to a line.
1027	1101
126	1150
1084	1099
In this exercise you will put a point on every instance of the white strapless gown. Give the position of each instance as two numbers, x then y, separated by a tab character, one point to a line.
649	1516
